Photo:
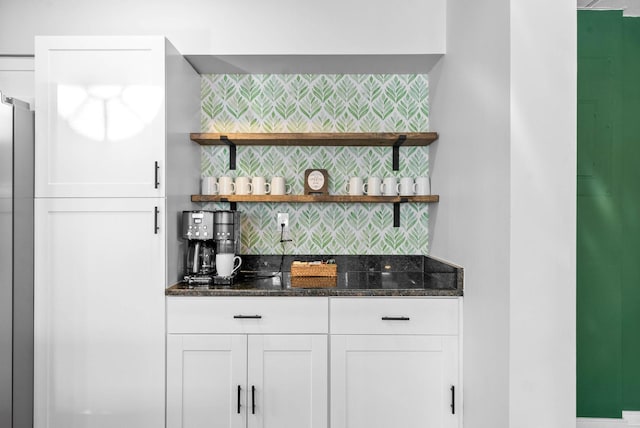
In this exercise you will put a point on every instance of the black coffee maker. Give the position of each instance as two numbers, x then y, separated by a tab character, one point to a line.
204	232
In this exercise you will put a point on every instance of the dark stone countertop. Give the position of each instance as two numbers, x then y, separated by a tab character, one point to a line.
357	276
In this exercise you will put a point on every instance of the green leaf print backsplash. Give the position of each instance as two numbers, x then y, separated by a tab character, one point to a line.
321	103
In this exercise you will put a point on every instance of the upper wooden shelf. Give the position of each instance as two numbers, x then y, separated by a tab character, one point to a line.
385	139
314	198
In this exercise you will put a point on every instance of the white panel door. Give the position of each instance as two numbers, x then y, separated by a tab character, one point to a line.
99	313
206	381
287	381
393	381
100	116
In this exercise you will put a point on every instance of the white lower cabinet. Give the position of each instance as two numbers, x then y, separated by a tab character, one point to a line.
393	381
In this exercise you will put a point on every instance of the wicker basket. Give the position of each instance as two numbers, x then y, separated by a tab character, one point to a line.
313	275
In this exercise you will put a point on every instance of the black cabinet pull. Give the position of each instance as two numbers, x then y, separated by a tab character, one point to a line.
395	318
253	399
156	182
453	400
247	317
155	220
239	389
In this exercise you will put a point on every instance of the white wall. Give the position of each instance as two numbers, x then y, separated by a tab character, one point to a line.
469	97
504	103
247	27
543	213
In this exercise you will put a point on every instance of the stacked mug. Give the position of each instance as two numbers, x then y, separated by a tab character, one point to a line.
244	186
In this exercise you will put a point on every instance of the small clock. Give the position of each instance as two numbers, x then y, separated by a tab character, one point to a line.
316	182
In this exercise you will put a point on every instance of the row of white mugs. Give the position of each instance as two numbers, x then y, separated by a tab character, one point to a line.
244	186
374	186
390	186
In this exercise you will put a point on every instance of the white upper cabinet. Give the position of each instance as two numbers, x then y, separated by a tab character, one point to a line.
101	116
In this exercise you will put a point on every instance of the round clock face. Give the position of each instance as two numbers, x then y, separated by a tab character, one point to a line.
315	180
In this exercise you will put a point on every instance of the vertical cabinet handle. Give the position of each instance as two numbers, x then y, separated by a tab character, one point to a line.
239	389
253	399
453	400
155	220
155	181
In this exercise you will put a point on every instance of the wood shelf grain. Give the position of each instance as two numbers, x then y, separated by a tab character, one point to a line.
316	199
383	139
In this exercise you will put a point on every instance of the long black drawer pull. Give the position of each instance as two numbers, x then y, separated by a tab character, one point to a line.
239	389
155	220
395	318
253	399
453	400
156	182
247	317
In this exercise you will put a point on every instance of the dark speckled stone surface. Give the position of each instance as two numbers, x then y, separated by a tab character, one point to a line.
357	276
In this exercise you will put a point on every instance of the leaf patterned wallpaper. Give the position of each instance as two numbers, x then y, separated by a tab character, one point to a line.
321	103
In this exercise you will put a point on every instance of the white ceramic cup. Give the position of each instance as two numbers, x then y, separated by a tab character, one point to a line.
423	186
354	186
278	186
406	186
372	186
260	186
227	264
226	186
389	186
243	186
209	186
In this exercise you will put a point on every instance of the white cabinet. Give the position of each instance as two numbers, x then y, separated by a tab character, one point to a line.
99	313
103	117
394	362
253	380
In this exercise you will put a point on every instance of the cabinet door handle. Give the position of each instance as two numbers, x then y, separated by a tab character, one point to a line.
155	220
453	400
247	317
253	399
239	389
395	318
156	182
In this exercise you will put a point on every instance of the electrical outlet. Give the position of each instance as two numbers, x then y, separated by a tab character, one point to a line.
283	218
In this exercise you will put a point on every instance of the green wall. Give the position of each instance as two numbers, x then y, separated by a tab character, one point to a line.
608	225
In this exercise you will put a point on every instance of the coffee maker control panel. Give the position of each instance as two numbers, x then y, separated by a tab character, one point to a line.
197	225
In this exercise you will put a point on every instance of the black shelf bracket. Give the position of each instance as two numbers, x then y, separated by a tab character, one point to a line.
396	151
396	214
232	205
232	151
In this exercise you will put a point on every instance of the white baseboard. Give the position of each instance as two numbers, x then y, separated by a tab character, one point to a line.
629	419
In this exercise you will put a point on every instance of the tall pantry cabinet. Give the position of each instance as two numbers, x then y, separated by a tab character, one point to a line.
114	170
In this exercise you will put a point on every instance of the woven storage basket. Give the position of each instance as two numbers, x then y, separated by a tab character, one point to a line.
305	275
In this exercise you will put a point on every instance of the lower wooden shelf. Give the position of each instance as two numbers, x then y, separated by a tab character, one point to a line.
316	198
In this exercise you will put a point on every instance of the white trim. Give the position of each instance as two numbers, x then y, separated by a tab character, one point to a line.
601	423
631	417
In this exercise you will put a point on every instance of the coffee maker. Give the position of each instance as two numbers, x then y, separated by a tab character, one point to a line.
205	231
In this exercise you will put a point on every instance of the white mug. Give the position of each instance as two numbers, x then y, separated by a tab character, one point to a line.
260	186
406	186
226	186
372	186
243	186
354	186
209	186
389	186
423	186
278	186
226	264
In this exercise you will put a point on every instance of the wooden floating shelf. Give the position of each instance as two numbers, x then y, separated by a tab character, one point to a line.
315	198
383	139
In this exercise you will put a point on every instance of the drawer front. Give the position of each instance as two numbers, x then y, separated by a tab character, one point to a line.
394	315
233	315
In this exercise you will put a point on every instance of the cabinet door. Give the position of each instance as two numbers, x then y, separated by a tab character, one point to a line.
99	313
287	381
100	122
206	381
393	381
